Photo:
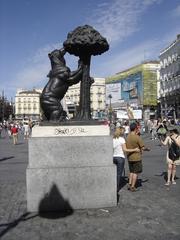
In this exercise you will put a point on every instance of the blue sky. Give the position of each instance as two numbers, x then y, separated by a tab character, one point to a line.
136	30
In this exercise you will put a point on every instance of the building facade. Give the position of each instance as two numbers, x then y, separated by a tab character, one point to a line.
97	93
135	87
170	80
27	104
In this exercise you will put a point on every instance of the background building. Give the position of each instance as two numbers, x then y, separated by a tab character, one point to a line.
6	108
170	80
97	93
27	104
135	87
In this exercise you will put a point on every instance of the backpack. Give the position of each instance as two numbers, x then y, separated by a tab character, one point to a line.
162	131
174	151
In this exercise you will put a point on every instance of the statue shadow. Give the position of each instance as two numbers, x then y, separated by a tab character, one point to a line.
54	206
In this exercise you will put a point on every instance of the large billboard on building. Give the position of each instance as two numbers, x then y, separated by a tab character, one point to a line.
128	90
113	89
123	114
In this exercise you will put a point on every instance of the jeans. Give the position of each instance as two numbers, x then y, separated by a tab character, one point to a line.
119	161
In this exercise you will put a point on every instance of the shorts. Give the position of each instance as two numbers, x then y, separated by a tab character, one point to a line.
168	160
135	167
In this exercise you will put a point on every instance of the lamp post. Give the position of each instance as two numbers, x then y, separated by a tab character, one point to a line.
3	105
110	108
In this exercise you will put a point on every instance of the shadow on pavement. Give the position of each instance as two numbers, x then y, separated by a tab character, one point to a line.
124	183
6	158
20	143
140	181
164	174
13	224
53	205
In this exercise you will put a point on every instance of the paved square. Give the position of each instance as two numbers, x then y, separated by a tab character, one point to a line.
151	213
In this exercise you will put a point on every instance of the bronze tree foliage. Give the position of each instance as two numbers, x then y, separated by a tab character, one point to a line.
85	41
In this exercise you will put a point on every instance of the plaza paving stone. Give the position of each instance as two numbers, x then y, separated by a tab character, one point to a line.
153	212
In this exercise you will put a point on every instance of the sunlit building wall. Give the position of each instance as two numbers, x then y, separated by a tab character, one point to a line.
170	80
27	104
97	93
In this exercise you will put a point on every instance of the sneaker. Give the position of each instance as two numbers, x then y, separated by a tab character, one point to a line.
167	183
174	182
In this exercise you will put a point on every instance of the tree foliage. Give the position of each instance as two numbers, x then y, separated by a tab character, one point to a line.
85	40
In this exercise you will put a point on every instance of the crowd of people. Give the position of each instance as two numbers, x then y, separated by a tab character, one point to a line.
127	142
13	129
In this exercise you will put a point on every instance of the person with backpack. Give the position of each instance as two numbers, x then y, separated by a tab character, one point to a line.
162	130
173	155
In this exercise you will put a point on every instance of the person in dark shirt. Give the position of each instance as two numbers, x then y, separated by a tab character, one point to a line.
135	158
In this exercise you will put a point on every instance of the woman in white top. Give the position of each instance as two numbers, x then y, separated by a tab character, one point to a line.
119	147
172	163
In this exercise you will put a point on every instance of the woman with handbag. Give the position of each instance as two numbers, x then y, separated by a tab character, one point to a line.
173	155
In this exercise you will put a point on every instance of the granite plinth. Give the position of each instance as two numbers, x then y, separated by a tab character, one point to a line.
70	130
74	122
70	173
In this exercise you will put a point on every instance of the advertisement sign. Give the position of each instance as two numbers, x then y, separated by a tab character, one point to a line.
128	89
113	89
131	87
123	114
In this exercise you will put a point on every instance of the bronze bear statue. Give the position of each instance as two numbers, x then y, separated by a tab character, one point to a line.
60	78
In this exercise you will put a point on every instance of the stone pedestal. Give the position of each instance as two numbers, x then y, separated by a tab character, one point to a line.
70	168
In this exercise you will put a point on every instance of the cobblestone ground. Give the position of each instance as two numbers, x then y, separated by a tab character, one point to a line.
153	212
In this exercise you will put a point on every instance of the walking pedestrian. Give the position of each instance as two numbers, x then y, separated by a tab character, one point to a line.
14	132
162	130
30	127
134	158
119	147
153	130
26	130
172	155
126	127
9	130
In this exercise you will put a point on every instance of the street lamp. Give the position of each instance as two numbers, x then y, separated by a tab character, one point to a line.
110	108
3	105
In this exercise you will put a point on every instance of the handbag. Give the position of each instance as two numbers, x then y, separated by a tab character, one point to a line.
162	131
174	151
